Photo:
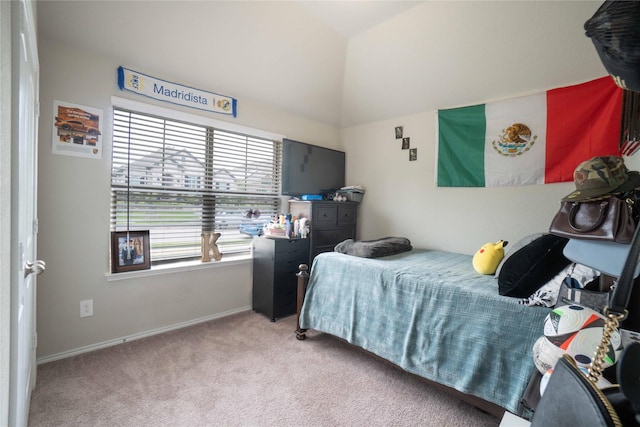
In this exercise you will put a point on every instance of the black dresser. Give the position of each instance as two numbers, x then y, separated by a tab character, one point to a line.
330	223
275	265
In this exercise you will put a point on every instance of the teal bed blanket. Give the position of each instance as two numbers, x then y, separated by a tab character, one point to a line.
433	315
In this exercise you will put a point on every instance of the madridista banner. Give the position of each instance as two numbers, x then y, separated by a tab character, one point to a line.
163	90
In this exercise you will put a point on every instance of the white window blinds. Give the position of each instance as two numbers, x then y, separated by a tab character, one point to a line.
178	180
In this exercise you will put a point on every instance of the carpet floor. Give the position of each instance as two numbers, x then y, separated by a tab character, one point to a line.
241	370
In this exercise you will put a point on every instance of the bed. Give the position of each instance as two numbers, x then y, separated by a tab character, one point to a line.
430	313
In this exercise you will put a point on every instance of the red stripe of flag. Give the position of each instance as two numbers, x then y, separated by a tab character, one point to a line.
583	121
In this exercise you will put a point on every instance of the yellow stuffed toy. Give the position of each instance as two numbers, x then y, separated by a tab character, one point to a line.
488	257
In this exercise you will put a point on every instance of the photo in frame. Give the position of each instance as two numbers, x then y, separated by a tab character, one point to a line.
130	251
399	132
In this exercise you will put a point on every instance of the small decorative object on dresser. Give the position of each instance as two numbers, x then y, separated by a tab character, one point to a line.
303	230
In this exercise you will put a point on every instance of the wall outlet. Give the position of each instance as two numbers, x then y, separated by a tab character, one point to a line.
86	308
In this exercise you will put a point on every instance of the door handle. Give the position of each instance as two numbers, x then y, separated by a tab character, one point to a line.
36	267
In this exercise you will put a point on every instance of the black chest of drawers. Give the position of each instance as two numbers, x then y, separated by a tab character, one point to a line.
330	223
275	264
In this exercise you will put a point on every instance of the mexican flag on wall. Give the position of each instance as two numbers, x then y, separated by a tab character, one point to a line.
534	139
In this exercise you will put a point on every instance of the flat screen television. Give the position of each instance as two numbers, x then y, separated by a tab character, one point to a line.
311	169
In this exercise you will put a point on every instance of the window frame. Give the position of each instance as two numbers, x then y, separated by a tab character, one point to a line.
177	115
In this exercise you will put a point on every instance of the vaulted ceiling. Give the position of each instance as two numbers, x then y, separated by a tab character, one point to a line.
342	63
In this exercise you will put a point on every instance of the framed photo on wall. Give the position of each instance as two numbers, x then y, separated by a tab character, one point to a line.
399	131
77	130
130	251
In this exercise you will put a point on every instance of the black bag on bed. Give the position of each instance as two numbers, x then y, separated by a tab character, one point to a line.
590	298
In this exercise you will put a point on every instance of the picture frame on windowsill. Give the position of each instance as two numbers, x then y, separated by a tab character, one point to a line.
130	251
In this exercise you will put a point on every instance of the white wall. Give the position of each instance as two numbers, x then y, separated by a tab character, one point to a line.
272	51
443	54
489	51
402	200
74	221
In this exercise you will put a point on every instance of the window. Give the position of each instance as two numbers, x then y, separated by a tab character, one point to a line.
179	179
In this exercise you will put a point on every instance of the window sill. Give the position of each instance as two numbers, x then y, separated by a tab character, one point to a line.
178	267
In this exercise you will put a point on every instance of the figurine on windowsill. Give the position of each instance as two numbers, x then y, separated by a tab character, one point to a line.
209	247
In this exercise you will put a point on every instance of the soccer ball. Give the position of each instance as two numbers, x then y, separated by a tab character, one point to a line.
545	380
545	355
577	331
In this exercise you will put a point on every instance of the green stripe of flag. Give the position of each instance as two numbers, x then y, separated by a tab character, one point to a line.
461	140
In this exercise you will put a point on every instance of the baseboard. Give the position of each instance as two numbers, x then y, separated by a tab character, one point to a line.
111	343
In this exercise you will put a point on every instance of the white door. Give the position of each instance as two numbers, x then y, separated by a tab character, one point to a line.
24	222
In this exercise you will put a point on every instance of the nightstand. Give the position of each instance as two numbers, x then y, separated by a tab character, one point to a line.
275	265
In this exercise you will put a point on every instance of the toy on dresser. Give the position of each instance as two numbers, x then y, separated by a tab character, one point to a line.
303	227
288	226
